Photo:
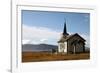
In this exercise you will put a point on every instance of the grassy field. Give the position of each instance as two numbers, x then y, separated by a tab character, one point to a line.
46	56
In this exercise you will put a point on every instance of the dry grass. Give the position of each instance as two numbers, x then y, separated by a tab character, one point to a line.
46	56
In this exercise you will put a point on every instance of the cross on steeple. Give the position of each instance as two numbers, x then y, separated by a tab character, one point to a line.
64	30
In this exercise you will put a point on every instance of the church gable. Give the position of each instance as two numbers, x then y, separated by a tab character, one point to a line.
76	37
76	44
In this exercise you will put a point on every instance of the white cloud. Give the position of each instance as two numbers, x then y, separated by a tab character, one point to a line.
43	40
25	41
38	34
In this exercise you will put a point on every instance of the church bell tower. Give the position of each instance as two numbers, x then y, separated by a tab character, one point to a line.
65	34
62	43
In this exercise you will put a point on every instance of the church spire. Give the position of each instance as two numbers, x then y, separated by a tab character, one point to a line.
64	30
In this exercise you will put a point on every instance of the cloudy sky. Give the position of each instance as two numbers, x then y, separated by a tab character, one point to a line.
47	27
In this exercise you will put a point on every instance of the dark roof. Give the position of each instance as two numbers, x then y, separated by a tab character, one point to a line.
67	37
64	30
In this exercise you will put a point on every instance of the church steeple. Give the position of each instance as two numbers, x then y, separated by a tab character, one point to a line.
64	30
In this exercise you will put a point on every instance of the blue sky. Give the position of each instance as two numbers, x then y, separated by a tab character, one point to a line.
54	21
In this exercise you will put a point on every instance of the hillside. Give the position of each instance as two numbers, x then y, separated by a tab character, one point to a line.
38	47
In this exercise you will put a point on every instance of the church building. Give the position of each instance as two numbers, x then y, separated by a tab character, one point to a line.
71	44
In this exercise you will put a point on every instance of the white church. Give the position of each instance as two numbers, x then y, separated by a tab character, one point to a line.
71	43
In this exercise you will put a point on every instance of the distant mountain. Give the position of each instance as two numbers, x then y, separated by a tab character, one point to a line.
38	47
